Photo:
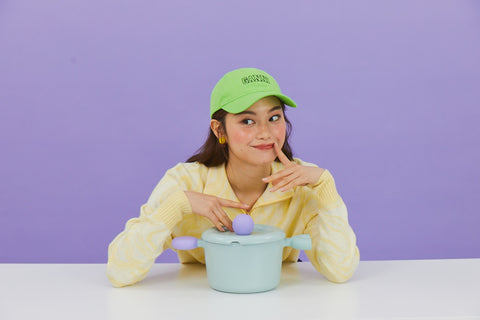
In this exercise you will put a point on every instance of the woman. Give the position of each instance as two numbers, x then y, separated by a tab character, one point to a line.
245	166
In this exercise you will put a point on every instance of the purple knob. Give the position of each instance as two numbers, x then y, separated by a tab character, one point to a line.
243	224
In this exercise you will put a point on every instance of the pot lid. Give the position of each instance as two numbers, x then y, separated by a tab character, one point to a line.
261	234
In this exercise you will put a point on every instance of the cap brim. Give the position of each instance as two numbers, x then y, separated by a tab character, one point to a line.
243	103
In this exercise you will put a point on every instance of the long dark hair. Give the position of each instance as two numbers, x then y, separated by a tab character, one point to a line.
213	154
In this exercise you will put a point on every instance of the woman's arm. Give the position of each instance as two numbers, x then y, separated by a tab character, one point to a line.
334	251
132	253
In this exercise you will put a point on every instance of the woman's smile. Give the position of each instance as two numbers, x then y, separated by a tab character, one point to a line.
264	146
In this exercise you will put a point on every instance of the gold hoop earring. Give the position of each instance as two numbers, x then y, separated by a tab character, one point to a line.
222	140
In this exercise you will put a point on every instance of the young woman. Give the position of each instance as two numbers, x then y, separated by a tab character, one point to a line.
245	166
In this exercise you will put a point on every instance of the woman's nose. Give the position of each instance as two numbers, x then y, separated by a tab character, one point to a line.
263	132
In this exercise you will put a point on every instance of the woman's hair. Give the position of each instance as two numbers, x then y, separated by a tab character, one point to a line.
213	154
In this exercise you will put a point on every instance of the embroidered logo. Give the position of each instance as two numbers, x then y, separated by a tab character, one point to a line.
255	78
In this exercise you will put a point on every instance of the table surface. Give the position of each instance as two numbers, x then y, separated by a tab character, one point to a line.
403	289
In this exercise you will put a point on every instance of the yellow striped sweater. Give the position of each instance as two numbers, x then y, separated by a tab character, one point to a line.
316	209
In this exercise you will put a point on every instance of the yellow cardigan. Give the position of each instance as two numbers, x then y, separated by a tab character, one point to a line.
316	209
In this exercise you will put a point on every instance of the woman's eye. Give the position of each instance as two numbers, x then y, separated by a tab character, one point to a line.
247	121
275	118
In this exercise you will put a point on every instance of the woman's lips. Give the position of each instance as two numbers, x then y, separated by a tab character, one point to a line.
264	146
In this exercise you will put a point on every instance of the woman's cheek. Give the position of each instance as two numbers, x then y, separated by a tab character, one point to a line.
240	137
280	132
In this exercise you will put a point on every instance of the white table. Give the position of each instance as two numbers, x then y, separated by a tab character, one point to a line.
415	289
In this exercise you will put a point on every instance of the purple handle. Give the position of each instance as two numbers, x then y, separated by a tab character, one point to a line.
185	243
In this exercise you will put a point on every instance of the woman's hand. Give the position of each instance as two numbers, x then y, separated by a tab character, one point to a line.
293	175
211	208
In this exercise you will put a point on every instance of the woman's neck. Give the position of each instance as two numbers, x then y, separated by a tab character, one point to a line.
246	179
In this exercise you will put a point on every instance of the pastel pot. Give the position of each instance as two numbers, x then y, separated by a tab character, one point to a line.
244	263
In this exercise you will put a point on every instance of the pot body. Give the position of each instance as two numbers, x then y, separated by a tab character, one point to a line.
244	263
239	268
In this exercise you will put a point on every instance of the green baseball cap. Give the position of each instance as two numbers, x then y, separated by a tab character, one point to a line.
237	90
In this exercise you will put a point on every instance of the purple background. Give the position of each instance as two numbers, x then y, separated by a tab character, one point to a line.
98	99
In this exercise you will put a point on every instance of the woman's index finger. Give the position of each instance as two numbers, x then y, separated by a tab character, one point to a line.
232	204
281	156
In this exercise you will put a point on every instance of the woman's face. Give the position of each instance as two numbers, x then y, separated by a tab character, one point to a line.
251	134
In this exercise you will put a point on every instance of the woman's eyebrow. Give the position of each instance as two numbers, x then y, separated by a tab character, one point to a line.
251	112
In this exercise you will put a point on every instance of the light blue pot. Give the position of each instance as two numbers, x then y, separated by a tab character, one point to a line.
244	263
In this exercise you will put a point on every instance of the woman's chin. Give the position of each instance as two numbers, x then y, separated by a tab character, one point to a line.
265	160
262	158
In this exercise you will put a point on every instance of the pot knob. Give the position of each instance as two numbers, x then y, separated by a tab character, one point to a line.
243	224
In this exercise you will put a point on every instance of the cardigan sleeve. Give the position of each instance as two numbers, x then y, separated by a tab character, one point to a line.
133	252
334	251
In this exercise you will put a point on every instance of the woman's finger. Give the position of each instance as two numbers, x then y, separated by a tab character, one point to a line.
281	156
216	222
292	184
232	204
224	219
280	185
294	177
279	175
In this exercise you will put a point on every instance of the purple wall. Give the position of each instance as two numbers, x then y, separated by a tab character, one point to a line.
99	100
